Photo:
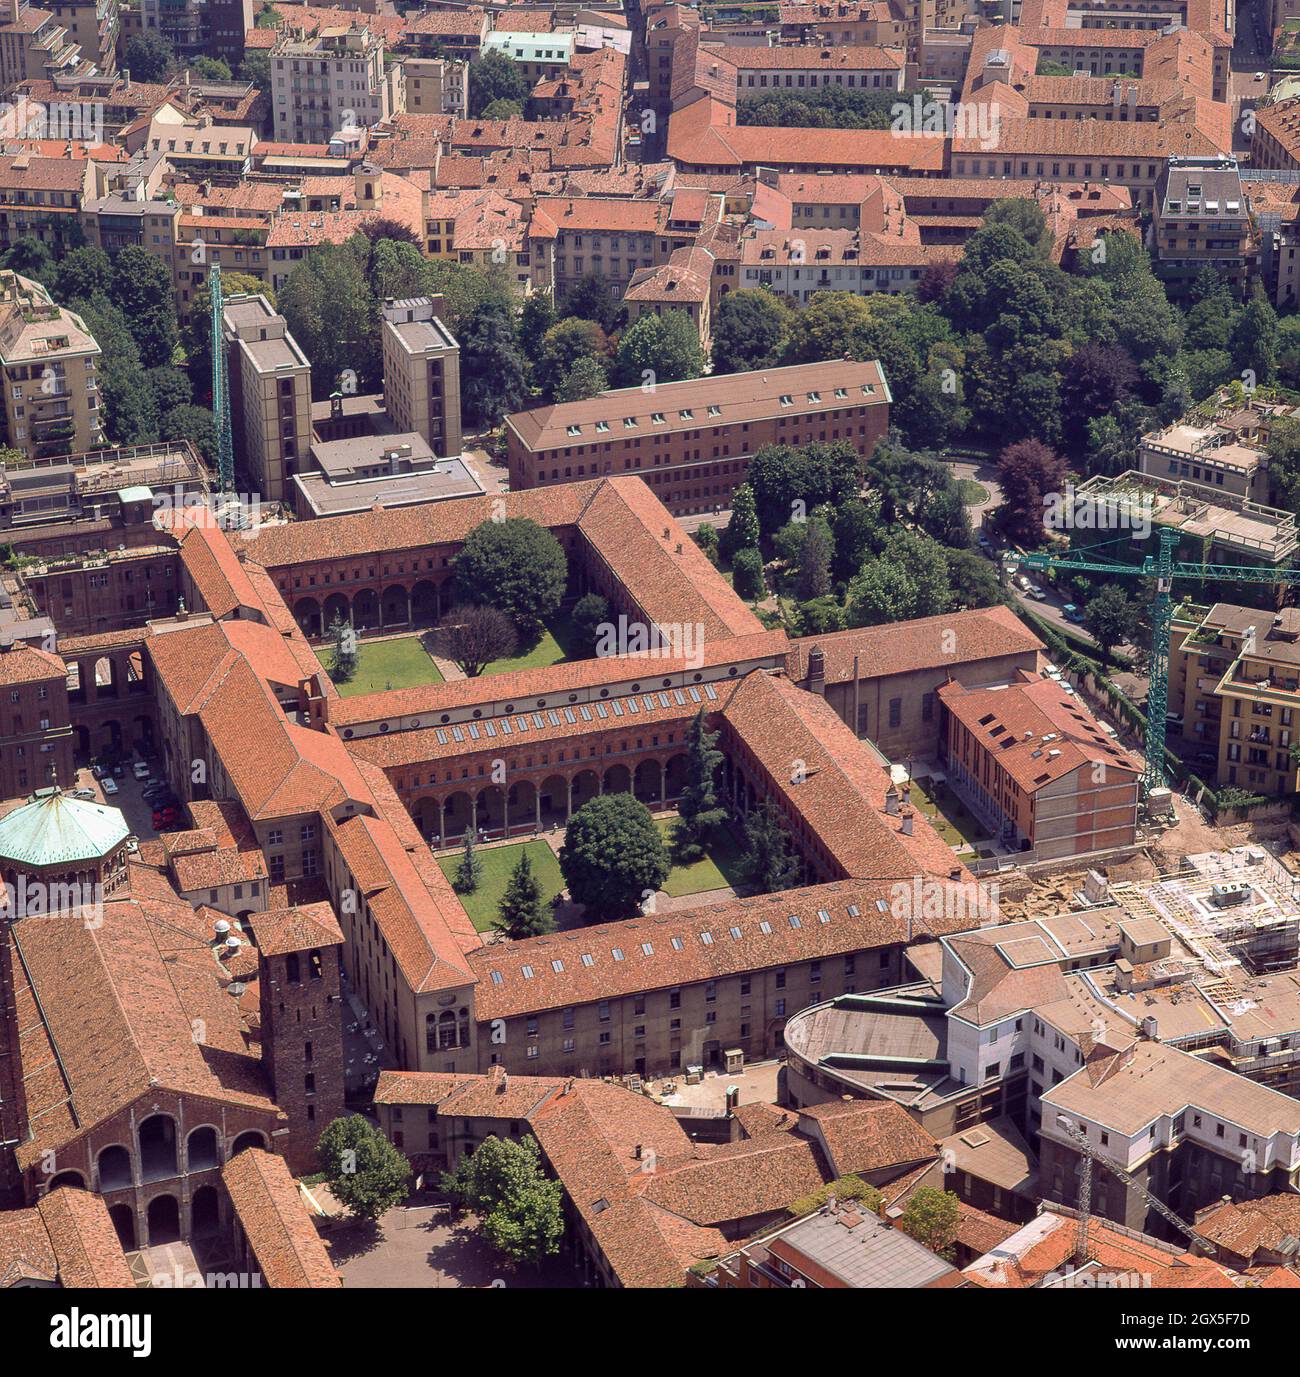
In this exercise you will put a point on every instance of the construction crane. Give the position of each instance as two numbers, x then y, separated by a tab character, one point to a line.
1164	569
1090	1155
221	389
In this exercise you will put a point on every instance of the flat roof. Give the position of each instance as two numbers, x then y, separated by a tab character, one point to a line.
452	478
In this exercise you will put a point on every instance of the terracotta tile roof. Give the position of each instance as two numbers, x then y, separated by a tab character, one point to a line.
824	776
116	1002
716	1184
1247	1227
840	58
956	638
24	664
1036	731
66	1238
279	1230
687	946
866	1136
298	928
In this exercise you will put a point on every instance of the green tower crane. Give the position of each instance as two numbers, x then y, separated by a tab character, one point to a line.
221	389
1164	569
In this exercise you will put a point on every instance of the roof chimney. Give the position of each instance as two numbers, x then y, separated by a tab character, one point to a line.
907	822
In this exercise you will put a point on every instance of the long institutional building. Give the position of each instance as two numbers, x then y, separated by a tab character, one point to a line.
1159	1019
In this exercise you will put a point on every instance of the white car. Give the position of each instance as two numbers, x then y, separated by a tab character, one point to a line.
109	785
140	770
1259	76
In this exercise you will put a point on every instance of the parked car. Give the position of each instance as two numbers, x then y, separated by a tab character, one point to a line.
84	793
119	771
140	770
109	785
98	770
163	818
1072	613
155	788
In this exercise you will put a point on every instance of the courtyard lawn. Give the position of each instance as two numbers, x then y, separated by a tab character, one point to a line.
559	643
399	663
719	867
953	821
496	864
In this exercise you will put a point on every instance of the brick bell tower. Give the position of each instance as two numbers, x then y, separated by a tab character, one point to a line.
299	964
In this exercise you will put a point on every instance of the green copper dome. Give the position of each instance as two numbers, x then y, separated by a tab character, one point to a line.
53	829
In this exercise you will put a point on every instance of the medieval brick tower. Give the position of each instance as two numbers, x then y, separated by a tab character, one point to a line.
299	951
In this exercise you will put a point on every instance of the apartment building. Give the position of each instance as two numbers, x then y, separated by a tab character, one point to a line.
1214	455
335	80
572	238
93	25
436	86
35	724
759	70
34	46
691	441
200	28
800	263
270	395
1234	688
47	363
422	373
1202	218
1030	759
538	56
684	283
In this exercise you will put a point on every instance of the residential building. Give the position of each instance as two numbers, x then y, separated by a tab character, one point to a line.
48	363
270	395
422	373
336	80
1030	759
436	86
1202	218
691	441
537	55
36	745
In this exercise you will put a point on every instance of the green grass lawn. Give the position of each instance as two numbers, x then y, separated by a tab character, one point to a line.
400	663
559	642
719	867
497	863
972	493
953	821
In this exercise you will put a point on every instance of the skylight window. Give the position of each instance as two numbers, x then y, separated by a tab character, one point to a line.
573	430
528	972
715	411
787	399
602	427
588	959
735	932
558	967
794	921
497	978
657	417
618	953
629	422
766	927
678	944
647	949
706	938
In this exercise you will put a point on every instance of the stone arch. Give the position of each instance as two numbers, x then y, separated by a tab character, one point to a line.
76	681
586	786
105	678
113	1166
396	606
251	1138
490	815
157	1140
123	1217
618	780
202	1149
426	603
647	783
365	610
68	1178
676	774
164	1220
522	802
307	613
554	795
457	817
336	605
205	1212
428	817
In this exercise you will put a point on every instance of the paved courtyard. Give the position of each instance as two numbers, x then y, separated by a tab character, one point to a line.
431	1246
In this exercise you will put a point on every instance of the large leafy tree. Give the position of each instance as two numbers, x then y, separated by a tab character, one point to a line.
364	1171
562	346
514	565
148	57
743	531
613	855
495	77
330	309
30	257
788	482
585	378
492	368
589	298
141	288
1029	472
932	1217
127	408
83	272
658	349
749	331
700	809
519	1207
1112	617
